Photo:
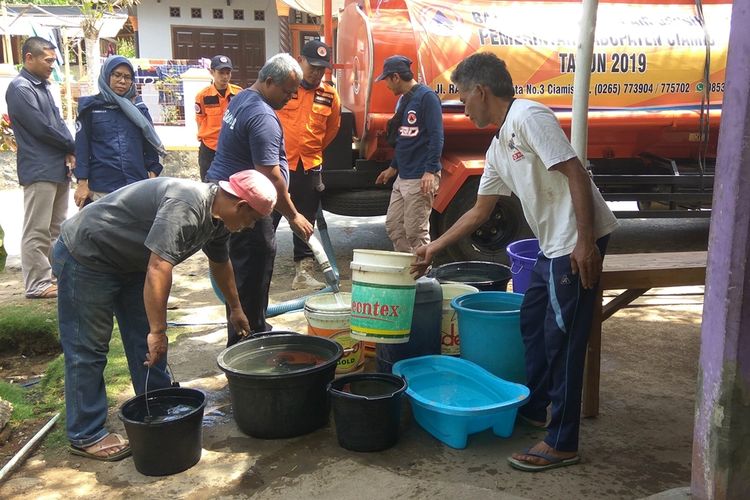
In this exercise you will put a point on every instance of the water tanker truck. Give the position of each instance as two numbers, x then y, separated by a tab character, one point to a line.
657	83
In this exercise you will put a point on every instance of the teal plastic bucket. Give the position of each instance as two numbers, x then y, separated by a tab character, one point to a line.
523	254
489	327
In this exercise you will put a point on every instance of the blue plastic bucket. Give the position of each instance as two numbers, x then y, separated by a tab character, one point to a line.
523	254
489	326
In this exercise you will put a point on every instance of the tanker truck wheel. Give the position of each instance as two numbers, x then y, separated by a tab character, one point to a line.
505	225
357	202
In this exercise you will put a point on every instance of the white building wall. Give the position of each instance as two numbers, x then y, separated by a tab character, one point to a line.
155	24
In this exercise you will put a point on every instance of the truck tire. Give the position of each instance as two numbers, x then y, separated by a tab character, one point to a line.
357	202
505	225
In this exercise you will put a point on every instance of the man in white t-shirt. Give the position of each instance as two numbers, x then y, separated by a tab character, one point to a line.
531	157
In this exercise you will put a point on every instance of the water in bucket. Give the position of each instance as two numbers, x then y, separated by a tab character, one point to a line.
163	411
488	276
281	359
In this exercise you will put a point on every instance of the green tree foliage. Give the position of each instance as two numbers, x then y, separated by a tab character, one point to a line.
41	2
93	12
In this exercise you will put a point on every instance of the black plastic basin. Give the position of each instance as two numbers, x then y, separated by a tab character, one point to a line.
278	382
486	276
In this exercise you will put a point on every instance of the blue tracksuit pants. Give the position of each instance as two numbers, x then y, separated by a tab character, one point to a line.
555	323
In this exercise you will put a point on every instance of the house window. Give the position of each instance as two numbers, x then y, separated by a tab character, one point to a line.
260	15
174	12
196	12
218	13
239	15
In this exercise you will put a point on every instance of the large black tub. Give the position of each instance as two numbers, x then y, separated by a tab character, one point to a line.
278	382
486	276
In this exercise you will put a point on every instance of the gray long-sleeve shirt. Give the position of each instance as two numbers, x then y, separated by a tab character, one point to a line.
42	137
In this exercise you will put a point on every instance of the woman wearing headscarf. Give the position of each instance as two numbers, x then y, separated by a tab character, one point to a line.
116	143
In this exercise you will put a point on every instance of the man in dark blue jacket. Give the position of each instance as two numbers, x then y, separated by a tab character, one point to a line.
46	154
419	145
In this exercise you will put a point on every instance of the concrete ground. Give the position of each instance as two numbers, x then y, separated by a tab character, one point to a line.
640	444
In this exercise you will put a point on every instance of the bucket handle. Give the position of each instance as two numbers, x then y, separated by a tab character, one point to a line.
400	390
513	267
145	385
375	268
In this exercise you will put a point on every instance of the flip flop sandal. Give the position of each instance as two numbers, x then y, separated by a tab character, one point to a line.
554	462
49	293
125	452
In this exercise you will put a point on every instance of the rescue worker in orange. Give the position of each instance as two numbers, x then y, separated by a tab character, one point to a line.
210	104
310	120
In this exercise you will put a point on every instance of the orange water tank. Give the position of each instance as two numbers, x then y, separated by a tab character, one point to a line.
653	88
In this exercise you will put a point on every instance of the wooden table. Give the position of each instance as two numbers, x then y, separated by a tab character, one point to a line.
635	274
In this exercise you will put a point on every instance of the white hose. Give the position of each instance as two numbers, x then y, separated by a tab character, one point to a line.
19	457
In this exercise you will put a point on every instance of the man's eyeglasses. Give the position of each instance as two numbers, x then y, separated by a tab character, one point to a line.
126	77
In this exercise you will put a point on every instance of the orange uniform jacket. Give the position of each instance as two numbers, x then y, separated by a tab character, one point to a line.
311	120
209	110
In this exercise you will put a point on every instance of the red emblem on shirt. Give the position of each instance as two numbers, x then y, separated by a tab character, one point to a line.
517	155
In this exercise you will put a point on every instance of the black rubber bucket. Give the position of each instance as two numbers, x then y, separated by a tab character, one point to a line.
167	441
278	383
367	410
486	276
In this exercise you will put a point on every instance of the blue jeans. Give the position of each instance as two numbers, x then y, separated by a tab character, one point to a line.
86	301
556	319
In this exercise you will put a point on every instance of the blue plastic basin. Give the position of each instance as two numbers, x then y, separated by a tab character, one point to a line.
452	398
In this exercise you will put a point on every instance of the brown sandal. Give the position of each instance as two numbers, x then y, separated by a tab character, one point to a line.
49	293
93	451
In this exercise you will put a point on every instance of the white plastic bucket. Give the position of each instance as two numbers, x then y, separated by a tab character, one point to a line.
328	317
449	339
383	291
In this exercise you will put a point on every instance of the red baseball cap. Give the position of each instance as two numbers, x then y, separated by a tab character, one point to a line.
253	187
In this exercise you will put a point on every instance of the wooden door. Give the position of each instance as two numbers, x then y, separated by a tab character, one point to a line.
245	47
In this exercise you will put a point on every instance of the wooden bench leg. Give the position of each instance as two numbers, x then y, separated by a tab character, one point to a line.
593	361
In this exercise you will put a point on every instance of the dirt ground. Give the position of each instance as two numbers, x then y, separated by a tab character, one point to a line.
18	369
639	445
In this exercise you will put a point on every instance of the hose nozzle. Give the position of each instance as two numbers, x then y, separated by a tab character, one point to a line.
325	265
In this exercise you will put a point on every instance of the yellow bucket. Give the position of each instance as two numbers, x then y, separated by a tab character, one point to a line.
449	339
383	292
329	317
